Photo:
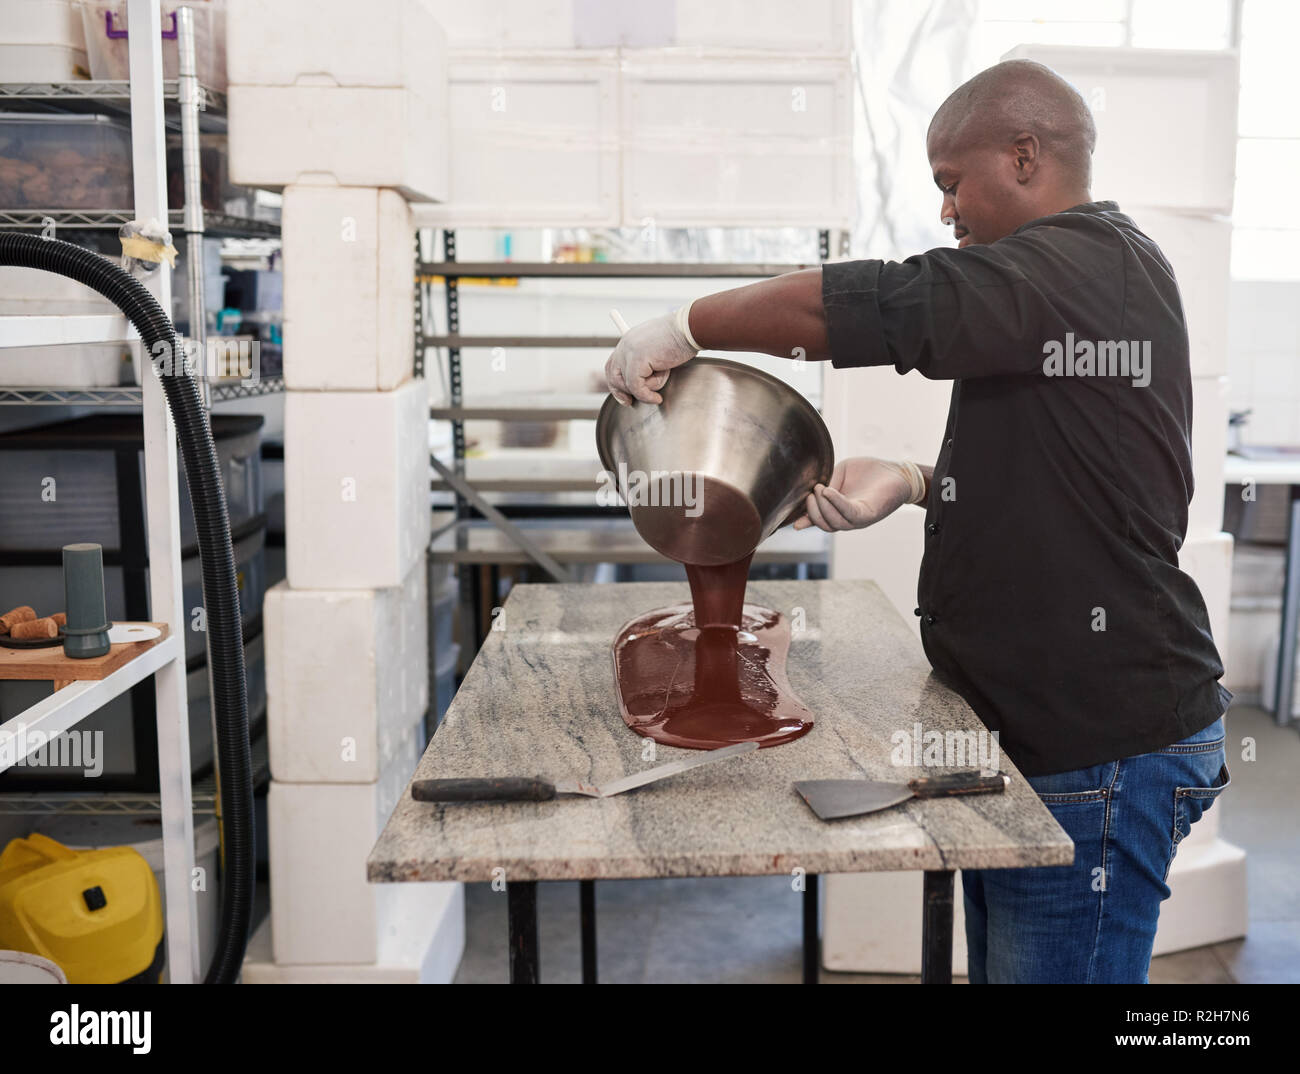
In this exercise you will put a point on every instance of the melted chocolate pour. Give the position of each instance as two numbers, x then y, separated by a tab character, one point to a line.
711	673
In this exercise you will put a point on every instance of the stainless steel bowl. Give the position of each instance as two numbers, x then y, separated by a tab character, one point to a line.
722	463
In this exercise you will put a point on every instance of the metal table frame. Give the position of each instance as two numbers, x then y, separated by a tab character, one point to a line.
936	929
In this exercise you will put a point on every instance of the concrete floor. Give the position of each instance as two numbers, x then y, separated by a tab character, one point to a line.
747	929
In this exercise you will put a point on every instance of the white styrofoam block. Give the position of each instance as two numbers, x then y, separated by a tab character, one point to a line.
327	728
393	43
718	138
871	923
356	496
348	305
506	24
323	910
534	141
429	952
1198	247
1209	450
1178	107
338	136
1207	901
1208	560
824	26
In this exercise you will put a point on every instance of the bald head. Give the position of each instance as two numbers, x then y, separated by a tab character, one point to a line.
1017	98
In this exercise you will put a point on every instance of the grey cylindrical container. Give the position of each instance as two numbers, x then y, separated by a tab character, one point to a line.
86	631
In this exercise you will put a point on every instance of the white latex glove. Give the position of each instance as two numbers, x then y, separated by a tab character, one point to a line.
647	352
861	492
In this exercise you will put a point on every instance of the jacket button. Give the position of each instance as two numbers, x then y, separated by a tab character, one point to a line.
932	528
916	611
948	442
930	620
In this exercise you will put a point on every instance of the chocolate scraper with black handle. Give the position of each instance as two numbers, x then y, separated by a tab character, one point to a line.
538	789
832	799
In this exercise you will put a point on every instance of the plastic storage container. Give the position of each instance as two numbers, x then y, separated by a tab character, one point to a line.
65	162
105	27
69	482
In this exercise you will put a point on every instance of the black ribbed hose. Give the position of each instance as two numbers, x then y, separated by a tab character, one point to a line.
220	594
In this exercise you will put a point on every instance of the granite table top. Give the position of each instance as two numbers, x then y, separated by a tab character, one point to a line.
540	699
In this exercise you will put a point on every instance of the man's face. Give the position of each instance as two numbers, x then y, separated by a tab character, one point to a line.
983	198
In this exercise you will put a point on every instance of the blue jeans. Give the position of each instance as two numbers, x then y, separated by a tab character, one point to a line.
1095	921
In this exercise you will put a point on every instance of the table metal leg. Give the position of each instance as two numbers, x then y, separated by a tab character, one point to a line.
811	934
521	908
587	897
1285	686
936	927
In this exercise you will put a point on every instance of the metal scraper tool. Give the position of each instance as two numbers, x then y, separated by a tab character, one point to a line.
831	799
525	789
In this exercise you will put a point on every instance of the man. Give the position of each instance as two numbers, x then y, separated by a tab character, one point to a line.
1050	595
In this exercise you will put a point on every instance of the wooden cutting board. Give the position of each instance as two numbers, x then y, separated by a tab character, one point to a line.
51	665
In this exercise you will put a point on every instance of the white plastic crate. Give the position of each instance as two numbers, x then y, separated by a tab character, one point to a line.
348	304
324	727
716	138
1175	107
534	141
357	512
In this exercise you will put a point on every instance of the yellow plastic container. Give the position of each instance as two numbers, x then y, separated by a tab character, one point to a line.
96	913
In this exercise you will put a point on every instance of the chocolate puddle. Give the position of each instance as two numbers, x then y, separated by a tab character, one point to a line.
704	687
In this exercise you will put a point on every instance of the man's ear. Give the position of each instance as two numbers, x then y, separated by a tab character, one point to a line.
1027	155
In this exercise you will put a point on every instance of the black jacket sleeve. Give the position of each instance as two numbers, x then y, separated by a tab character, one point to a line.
982	311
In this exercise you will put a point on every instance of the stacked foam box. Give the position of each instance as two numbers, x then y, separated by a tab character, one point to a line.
348	117
1185	209
621	113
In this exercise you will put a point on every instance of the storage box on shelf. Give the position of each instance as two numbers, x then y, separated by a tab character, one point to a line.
42	41
1177	107
71	481
348	316
312	104
320	836
347	679
64	162
106	30
356	478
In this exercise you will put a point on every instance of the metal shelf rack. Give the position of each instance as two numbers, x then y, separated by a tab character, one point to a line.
144	99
